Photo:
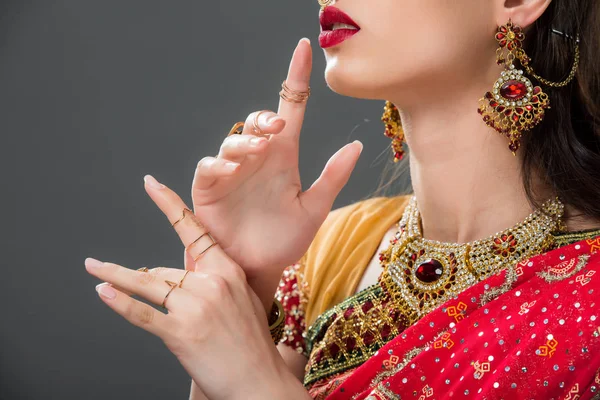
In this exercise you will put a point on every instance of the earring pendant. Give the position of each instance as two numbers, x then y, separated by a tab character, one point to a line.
514	105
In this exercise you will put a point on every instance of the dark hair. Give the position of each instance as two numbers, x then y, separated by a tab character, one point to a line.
564	149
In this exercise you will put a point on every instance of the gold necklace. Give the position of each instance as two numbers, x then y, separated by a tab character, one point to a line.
420	274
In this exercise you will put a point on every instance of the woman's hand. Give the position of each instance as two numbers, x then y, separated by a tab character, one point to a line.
215	326
257	210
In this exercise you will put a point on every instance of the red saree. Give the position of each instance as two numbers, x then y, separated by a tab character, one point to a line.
530	331
527	332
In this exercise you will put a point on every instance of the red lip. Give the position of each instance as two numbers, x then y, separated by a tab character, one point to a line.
327	18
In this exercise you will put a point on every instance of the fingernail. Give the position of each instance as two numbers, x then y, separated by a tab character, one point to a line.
306	40
153	183
257	141
361	146
105	290
231	166
93	263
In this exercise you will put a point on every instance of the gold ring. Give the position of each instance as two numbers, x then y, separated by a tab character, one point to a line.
294	96
143	269
214	242
255	128
200	237
182	217
173	285
184	275
207	233
237	129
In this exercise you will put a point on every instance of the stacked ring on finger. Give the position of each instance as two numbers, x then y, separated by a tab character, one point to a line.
255	128
171	284
207	233
294	96
238	127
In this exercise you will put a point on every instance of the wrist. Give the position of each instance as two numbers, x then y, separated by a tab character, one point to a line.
274	384
265	287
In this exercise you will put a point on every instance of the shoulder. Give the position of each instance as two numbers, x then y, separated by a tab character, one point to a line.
343	247
368	207
347	220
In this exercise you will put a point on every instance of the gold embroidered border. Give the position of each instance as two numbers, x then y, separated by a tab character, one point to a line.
387	392
550	277
564	239
410	354
493	292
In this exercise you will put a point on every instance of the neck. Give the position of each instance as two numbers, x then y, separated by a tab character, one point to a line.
467	182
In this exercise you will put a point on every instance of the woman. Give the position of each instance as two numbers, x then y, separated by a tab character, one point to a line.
489	279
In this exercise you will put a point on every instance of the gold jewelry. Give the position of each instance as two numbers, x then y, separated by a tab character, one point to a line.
255	128
184	275
276	319
237	128
393	129
420	274
294	96
172	285
324	3
515	105
214	242
182	216
143	269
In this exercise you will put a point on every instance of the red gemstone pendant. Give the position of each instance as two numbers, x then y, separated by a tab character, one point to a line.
513	90
429	270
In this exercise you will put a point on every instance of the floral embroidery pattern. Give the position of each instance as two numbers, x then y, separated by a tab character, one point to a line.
293	295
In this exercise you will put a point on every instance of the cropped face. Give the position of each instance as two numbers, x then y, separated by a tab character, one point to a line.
405	48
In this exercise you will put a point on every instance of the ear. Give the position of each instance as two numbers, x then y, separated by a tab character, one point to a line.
522	12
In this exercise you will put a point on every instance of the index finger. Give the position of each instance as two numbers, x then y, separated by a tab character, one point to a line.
298	78
199	243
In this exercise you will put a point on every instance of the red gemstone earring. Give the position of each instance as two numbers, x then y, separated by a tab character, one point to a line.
393	129
515	105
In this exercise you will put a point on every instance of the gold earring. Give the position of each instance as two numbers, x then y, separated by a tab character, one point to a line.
324	3
515	105
393	129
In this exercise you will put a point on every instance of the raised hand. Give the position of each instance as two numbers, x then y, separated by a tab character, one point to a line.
215	323
256	208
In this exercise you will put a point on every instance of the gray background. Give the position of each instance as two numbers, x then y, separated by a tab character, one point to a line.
95	94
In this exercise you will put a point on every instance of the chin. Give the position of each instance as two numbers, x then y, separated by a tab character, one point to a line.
348	80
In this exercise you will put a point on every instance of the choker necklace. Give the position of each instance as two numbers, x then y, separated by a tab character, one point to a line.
420	274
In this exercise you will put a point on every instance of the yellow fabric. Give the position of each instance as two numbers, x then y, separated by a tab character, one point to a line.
342	249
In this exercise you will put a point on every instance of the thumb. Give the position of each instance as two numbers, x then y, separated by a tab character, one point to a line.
319	198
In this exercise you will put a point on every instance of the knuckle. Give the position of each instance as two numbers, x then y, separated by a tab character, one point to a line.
144	315
218	285
250	118
191	280
231	142
145	278
205	162
238	274
129	311
138	313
